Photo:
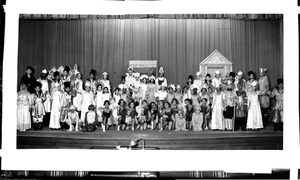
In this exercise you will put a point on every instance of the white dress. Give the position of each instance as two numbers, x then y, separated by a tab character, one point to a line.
56	105
254	120
24	101
216	82
87	99
217	121
77	100
45	87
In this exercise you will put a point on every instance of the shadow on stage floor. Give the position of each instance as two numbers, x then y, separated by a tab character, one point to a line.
205	140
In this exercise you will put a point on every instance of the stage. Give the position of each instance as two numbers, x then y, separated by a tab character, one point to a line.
264	139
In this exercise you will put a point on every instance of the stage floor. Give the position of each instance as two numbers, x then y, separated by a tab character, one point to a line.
47	138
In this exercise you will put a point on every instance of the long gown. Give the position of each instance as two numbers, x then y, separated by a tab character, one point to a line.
23	113
87	99
45	88
197	121
152	89
56	105
77	100
217	121
263	87
279	105
254	120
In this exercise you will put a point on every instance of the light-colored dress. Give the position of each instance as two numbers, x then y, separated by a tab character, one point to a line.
45	88
263	88
152	89
39	109
197	120
254	120
178	96
180	123
217	121
23	114
87	99
56	105
216	82
77	100
144	88
279	105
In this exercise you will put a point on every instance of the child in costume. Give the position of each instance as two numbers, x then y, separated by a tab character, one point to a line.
153	115
152	89
122	113
145	115
240	109
24	103
229	99
167	118
178	95
90	120
254	120
161	80
47	101
217	121
206	113
175	109
38	111
105	81
77	99
144	86
73	119
278	94
189	110
170	93
197	119
195	97
180	121
87	99
106	115
185	95
131	118
65	105
56	96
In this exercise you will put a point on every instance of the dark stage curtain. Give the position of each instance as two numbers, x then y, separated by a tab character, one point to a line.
179	45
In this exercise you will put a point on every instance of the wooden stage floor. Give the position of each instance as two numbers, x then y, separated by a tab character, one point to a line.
264	139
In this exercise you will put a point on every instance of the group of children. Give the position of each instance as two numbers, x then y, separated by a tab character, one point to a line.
142	102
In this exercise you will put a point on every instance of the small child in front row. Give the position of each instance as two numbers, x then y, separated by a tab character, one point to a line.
73	119
168	118
206	113
197	119
131	115
189	110
122	112
145	115
180	123
90	120
106	114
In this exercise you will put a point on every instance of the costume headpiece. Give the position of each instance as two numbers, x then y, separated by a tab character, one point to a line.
262	70
53	69
178	86
105	74
136	75
67	68
240	73
279	81
44	71
144	76
217	72
93	72
172	86
87	84
60	69
31	68
72	107
161	70
130	68
232	74
254	83
198	73
151	77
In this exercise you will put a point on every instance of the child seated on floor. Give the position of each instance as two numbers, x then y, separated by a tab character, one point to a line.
131	115
91	120
145	115
73	119
122	112
180	123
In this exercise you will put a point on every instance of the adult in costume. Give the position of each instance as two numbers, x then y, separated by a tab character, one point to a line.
161	80
263	85
239	80
216	81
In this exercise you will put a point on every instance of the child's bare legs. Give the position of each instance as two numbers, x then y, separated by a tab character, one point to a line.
71	127
132	124
161	124
170	125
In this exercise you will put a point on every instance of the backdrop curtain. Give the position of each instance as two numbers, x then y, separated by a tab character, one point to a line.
179	45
